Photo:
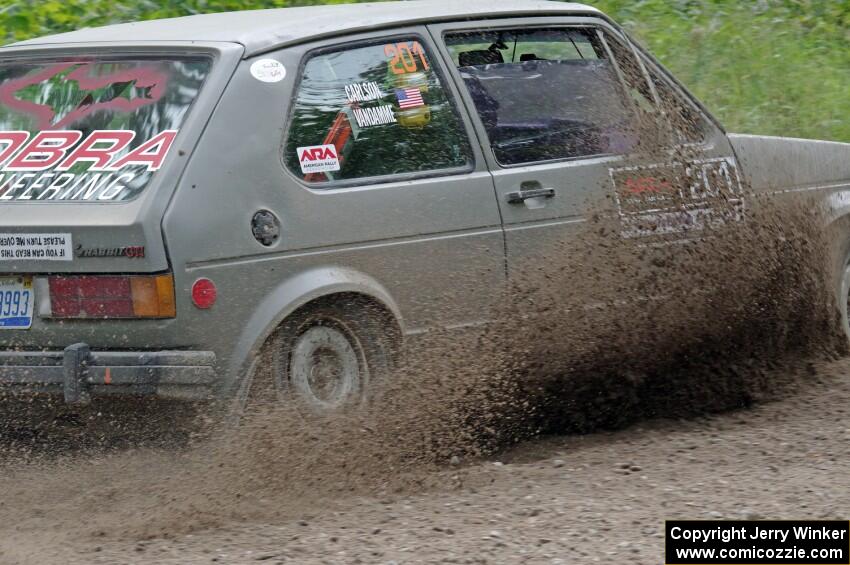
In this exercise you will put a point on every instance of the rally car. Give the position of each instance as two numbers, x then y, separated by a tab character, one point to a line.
184	200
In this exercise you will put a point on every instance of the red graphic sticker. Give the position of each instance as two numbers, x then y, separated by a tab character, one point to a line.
642	185
148	86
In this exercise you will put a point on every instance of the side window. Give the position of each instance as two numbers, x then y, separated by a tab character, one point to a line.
544	94
370	111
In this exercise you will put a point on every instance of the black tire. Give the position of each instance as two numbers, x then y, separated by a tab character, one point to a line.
322	359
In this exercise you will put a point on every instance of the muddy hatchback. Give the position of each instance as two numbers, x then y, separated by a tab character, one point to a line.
308	187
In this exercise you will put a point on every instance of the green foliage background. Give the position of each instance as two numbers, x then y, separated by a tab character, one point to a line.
766	66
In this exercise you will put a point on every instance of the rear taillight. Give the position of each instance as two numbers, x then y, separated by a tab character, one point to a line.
109	296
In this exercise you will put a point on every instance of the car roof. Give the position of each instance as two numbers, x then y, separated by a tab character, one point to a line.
264	30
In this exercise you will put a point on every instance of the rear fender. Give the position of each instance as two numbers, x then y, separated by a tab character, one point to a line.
289	296
779	166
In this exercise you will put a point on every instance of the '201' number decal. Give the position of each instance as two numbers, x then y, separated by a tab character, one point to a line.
404	58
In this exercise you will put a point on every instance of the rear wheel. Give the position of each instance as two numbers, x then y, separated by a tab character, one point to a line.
323	359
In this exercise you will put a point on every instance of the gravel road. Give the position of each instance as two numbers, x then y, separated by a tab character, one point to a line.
598	498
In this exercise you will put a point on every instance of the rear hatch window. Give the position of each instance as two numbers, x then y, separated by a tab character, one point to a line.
91	130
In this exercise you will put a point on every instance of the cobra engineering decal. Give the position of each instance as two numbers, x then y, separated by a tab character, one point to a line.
66	165
676	198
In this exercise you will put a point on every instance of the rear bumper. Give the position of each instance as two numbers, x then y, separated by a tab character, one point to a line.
79	373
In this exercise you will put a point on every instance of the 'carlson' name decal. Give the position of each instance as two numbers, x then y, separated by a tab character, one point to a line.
65	165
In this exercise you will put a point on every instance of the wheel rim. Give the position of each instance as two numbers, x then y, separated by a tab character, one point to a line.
325	368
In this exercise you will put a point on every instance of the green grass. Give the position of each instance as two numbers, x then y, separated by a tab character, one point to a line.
769	67
779	67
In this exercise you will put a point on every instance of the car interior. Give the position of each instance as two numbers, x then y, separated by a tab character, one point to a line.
537	108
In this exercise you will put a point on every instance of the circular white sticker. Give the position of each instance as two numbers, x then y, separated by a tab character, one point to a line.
268	70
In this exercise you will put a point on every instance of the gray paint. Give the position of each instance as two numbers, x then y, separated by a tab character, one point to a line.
782	166
782	163
430	250
265	30
137	222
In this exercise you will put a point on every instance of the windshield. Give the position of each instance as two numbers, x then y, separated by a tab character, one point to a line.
91	130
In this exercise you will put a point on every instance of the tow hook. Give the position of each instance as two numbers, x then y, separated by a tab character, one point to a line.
75	374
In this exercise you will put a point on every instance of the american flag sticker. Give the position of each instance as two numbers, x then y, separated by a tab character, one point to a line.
409	98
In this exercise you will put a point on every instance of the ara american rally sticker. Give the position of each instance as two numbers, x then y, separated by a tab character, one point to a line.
318	159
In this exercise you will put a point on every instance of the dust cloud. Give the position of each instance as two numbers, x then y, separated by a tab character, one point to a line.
609	331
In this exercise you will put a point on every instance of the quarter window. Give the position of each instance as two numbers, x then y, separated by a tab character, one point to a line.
544	94
687	122
372	111
680	118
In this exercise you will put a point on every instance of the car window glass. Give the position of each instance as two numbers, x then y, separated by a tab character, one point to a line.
654	130
688	124
370	111
544	94
680	118
540	45
635	80
91	129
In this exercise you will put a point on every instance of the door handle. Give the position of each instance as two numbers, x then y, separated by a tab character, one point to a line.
521	195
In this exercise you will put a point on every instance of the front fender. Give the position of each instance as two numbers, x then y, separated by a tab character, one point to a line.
290	295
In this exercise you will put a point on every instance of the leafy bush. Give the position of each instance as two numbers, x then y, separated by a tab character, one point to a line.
22	19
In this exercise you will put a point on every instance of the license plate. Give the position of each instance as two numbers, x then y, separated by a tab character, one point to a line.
16	303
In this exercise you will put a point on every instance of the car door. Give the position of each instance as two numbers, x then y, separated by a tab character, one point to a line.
410	197
562	107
